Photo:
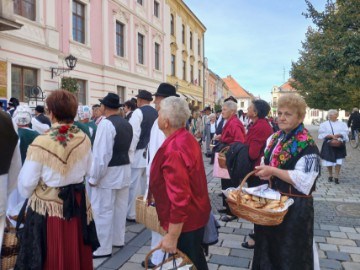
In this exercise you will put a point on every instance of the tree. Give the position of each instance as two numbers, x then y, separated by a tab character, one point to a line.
70	84
327	74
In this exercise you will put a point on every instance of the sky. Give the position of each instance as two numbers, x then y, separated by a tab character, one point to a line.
254	41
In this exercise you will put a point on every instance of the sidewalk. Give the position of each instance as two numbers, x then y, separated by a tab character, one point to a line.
337	226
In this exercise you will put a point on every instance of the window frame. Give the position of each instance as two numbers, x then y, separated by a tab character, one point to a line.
78	31
173	64
156	9
141	51
140	2
19	9
191	40
172	24
184	70
120	36
199	47
22	97
183	34
157	55
80	93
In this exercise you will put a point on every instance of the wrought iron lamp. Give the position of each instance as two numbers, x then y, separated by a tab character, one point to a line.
70	62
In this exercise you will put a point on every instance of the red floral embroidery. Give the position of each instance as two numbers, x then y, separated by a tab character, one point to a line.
63	129
63	133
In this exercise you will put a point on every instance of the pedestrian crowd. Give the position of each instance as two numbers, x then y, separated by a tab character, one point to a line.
71	174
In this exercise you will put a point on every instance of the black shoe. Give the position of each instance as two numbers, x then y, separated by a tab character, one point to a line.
101	256
336	180
227	218
246	245
150	265
330	179
252	236
118	246
220	194
222	211
130	220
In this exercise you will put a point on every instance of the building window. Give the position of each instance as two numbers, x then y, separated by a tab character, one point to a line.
140	49
242	104
120	39
199	47
191	40
172	65
157	56
78	22
121	93
140	2
81	94
199	77
172	25
156	9
192	74
184	70
25	8
183	34
23	79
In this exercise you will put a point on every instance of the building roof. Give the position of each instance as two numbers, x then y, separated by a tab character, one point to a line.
286	87
236	89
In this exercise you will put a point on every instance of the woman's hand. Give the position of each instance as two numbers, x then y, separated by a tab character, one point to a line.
168	243
264	172
217	137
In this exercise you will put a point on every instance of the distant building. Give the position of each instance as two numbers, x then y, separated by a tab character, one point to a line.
243	97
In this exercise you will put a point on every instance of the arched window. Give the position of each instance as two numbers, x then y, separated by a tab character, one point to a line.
172	25
191	41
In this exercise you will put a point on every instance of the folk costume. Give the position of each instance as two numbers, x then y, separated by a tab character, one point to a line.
111	174
59	230
26	136
141	121
332	156
290	244
178	185
9	166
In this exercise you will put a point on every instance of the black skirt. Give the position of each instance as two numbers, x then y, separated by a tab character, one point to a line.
330	153
290	244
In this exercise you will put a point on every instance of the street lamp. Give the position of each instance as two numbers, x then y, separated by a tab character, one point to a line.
70	62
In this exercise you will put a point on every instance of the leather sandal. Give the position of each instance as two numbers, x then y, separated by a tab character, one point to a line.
246	245
227	218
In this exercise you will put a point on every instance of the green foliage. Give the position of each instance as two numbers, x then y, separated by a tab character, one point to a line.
70	84
218	106
327	73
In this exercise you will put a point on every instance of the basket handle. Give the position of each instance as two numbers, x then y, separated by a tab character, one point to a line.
226	148
178	251
247	177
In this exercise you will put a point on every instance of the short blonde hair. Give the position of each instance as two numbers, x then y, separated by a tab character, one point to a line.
176	110
293	101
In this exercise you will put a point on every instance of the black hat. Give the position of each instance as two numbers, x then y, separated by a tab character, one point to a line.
166	90
207	109
40	109
111	100
14	102
143	94
231	98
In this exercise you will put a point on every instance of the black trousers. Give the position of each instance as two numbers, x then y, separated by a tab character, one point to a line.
227	183
190	244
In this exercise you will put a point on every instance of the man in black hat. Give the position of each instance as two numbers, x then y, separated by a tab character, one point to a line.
13	103
10	165
40	116
157	137
110	176
141	121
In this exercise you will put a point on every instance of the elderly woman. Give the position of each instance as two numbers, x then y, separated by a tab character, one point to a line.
178	184
233	131
333	156
59	231
195	125
210	129
292	164
259	131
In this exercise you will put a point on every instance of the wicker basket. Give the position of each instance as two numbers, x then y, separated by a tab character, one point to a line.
147	216
222	157
255	215
180	258
10	248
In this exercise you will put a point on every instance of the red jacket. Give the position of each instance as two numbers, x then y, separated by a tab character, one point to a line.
178	183
233	131
256	138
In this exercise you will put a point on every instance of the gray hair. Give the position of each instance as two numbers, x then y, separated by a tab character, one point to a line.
176	110
231	105
332	112
212	115
355	109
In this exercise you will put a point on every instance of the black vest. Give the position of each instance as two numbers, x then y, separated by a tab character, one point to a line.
122	141
149	117
8	141
220	126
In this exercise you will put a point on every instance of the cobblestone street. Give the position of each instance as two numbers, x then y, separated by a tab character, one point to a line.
337	226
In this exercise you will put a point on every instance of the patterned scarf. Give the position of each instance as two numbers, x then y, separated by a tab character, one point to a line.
290	145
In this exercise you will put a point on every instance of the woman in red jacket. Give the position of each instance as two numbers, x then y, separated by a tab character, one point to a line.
259	131
178	184
232	132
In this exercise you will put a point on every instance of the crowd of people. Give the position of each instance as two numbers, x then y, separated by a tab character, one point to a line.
79	169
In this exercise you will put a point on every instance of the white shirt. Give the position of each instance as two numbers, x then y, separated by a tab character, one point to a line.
38	126
157	137
338	127
8	181
101	175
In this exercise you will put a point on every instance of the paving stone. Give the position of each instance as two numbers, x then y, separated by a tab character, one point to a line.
234	237
354	236
347	229
355	257
229	261
321	233
339	256
338	234
231	244
351	250
329	227
248	226
319	239
223	267
212	266
136	228
357	242
340	241
351	266
243	253
328	247
144	250
137	258
331	264
219	250
233	225
321	254
243	231
226	230
131	266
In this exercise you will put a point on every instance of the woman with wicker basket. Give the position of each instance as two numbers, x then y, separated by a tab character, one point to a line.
59	230
292	165
178	184
232	132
